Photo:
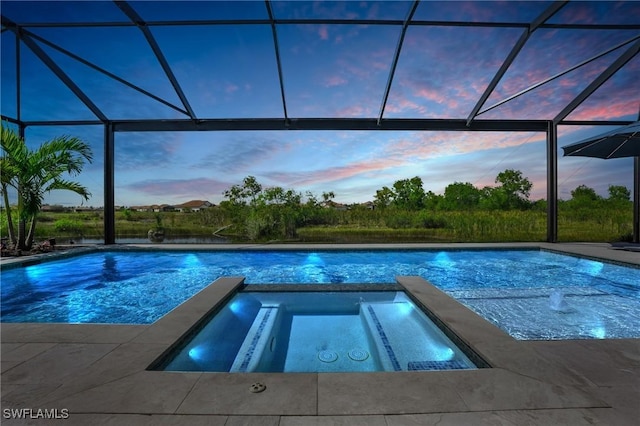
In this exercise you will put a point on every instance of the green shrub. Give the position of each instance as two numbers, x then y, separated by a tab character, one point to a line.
258	226
400	219
426	219
69	226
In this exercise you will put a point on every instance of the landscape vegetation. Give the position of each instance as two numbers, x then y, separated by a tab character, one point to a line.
251	212
403	212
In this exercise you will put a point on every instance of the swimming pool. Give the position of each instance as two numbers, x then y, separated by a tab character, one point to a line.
296	332
138	287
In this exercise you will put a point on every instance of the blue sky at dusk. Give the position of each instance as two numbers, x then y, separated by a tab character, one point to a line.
329	71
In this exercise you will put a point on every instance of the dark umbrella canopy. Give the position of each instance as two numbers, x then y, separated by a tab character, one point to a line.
619	143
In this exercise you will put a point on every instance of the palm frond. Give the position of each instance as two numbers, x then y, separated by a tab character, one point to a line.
67	185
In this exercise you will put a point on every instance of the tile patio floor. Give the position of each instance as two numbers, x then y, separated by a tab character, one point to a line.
98	373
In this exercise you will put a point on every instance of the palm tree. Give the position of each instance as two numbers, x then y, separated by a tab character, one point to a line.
34	173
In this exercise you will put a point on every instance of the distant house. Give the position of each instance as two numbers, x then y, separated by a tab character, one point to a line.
140	208
157	208
52	208
87	209
370	205
338	206
164	208
193	206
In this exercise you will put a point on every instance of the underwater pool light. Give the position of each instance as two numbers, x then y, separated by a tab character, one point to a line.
403	308
590	267
197	353
36	273
314	259
236	307
191	260
443	353
443	258
599	332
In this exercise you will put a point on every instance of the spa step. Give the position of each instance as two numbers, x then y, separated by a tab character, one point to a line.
257	340
396	329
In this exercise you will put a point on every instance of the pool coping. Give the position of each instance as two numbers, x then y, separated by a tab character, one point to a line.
601	251
92	368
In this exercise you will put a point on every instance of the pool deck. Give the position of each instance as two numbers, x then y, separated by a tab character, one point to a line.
97	373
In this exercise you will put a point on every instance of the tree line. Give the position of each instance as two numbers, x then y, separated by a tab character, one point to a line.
257	212
511	193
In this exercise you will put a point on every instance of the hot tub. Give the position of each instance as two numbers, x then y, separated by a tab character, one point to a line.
317	332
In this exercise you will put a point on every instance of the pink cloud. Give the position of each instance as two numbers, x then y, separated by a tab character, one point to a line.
548	100
429	145
231	88
334	81
323	32
398	104
357	111
334	173
614	109
440	96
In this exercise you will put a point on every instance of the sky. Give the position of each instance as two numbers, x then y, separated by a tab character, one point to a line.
329	71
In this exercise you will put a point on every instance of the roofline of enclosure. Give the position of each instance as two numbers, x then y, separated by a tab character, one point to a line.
105	72
157	51
616	65
276	47
396	56
515	50
301	124
327	21
136	21
631	52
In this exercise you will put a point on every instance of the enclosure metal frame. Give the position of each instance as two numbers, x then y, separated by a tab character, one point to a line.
194	123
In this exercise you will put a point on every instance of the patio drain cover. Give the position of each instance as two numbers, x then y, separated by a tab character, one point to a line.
327	356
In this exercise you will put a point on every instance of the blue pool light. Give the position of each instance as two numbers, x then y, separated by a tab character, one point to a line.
403	308
36	273
599	332
590	267
313	269
197	353
443	258
191	260
596	328
314	259
443	353
236	307
242	310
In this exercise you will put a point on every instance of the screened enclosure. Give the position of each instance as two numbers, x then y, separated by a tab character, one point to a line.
184	97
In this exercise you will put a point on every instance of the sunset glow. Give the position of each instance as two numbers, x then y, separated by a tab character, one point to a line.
329	70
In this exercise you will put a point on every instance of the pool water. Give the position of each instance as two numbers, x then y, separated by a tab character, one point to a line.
512	288
556	313
318	332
